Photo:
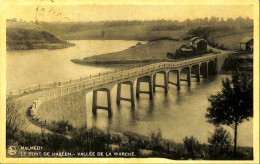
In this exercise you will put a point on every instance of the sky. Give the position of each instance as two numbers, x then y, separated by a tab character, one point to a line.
125	12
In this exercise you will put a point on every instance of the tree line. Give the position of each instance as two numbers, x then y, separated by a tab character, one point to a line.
188	23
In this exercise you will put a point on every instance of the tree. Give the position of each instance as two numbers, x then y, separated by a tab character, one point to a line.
234	104
219	144
192	146
188	23
202	32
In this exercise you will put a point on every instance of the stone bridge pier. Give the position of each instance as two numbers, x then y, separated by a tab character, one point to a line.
146	79
204	69
212	68
119	98
177	72
166	79
195	69
95	97
188	72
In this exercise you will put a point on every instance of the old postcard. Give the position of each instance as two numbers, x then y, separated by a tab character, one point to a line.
129	81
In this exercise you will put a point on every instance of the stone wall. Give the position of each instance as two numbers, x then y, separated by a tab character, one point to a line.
70	107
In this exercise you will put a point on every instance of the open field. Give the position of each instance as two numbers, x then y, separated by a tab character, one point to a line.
229	40
122	33
147	30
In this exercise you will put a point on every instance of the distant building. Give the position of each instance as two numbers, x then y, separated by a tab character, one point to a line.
246	44
192	40
199	44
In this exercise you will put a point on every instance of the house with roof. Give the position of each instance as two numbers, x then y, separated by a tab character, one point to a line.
246	44
193	39
199	44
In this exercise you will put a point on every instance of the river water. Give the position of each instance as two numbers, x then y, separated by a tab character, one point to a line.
178	114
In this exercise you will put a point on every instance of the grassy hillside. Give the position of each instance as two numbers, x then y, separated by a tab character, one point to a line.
140	30
223	37
229	40
25	35
147	30
150	51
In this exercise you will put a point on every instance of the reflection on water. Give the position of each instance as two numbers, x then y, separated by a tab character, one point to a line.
178	114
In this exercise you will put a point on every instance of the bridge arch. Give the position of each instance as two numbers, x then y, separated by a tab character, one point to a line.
175	72
95	106
165	79
204	69
119	97
195	71
186	70
212	67
147	79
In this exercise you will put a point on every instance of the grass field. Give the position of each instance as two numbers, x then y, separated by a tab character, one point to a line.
150	50
98	30
229	40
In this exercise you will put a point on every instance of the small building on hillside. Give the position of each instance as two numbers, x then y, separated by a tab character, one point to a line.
246	44
192	40
199	44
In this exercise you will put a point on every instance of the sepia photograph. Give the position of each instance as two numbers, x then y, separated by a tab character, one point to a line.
140	81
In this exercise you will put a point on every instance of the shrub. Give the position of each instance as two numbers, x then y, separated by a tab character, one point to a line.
219	144
192	146
156	140
61	127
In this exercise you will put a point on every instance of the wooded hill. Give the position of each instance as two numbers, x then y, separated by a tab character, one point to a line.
25	35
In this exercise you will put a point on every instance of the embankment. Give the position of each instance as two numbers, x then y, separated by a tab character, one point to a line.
68	107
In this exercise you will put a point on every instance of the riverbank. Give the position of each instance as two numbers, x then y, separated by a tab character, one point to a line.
241	61
29	46
140	53
129	62
76	140
51	46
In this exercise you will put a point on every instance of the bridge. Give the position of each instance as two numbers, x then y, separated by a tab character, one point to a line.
200	67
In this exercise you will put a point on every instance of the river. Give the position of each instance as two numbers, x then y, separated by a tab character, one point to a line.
178	114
